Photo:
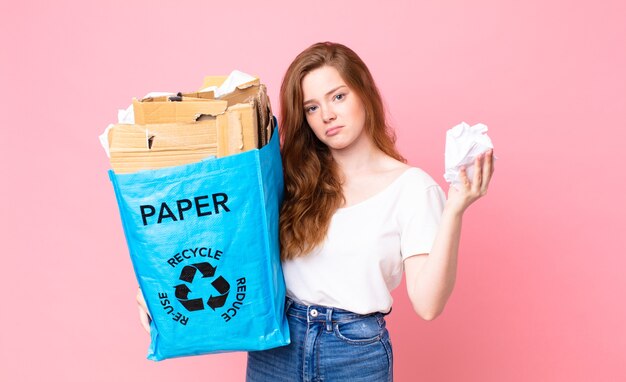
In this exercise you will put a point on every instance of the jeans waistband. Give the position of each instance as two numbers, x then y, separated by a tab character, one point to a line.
322	313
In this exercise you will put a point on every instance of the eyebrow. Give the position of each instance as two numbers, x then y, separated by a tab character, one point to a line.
332	91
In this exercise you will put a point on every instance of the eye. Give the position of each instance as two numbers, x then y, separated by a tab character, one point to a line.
310	109
340	96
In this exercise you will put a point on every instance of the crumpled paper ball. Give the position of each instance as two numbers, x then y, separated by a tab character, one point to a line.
463	144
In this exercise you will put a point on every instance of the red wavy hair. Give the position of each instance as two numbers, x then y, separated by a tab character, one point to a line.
312	183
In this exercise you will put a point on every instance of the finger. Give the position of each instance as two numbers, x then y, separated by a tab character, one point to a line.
487	171
144	318
140	300
476	183
464	179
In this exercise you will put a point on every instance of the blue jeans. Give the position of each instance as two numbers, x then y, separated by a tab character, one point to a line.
329	345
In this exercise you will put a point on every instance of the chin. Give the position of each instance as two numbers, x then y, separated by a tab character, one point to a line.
338	146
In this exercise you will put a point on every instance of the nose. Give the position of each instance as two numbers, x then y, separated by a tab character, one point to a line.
328	114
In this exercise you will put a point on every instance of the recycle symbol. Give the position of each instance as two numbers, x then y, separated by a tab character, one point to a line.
187	274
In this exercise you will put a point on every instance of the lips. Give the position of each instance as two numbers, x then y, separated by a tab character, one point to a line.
333	131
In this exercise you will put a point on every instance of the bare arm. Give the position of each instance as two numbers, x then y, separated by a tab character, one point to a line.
430	278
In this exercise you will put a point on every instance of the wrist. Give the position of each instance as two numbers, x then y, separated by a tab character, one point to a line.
453	211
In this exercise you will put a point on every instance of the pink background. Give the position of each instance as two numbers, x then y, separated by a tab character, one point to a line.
540	289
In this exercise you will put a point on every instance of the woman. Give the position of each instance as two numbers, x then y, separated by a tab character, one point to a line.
354	217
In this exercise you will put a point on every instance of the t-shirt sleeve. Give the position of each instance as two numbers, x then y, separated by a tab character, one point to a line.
420	220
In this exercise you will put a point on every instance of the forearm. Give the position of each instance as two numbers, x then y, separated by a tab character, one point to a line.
436	279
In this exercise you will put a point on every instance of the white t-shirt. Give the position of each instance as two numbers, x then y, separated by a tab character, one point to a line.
361	260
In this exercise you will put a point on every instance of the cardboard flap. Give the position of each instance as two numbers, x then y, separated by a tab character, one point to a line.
213	81
170	112
161	137
217	81
246	95
186	97
254	82
201	95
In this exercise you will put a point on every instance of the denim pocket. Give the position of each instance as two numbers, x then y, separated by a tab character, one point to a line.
361	331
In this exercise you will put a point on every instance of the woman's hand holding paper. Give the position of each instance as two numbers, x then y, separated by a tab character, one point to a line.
469	191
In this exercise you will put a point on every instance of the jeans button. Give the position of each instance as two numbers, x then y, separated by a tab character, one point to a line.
313	312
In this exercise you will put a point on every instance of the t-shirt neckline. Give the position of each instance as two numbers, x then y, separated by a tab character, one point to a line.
378	194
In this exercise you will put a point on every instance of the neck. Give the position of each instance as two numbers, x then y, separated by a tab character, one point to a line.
356	158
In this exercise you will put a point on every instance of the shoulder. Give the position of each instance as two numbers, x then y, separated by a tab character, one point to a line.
416	178
410	178
419	195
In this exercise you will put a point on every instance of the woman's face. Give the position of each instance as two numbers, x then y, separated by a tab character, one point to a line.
334	112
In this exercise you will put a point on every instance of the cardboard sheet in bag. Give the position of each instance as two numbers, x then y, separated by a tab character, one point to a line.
197	127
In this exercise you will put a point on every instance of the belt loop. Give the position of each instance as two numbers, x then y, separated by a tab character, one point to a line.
329	320
288	303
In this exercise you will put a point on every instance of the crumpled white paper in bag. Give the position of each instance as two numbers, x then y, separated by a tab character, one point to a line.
235	78
463	144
